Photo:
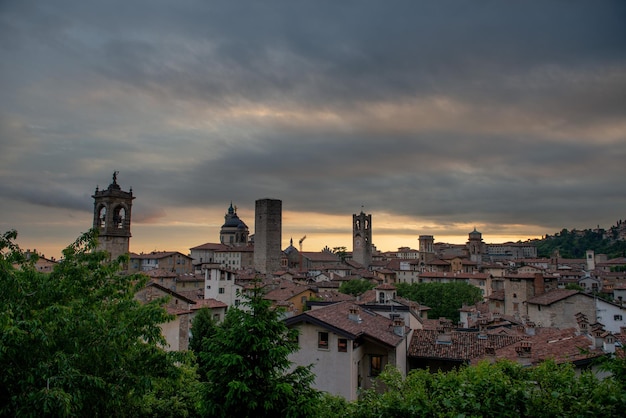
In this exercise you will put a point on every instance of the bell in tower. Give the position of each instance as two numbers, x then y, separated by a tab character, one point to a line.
362	239
112	208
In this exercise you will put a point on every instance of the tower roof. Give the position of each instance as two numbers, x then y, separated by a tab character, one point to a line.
231	220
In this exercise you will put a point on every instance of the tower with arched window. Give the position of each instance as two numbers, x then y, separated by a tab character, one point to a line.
362	239
111	217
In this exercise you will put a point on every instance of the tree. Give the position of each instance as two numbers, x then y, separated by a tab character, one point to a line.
341	252
248	367
203	329
356	287
502	389
75	342
574	286
444	299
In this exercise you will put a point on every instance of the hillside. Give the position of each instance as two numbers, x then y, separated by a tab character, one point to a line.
574	243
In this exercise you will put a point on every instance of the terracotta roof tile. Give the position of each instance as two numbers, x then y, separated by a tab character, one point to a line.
209	303
552	296
560	345
285	293
462	346
336	316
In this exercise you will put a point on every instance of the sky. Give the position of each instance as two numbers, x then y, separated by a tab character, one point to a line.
435	117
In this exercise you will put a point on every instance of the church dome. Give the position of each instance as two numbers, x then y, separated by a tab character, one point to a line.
231	220
291	248
234	222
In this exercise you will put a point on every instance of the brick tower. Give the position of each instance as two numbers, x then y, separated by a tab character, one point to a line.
111	217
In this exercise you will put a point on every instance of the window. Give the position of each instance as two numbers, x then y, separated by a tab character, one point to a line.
221	290
376	365
617	317
237	302
322	340
342	345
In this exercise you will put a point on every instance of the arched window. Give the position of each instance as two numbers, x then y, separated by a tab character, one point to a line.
102	216
119	216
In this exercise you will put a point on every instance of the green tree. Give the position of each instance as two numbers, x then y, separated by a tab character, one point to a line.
75	342
203	328
444	299
248	370
574	286
503	389
356	287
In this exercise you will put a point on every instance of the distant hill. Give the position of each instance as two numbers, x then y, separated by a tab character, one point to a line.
574	243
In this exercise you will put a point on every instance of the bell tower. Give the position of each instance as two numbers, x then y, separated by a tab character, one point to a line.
111	218
476	246
362	239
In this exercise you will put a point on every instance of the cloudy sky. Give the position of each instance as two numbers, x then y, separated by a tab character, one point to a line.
434	116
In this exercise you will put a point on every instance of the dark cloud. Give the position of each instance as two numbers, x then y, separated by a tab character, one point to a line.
499	113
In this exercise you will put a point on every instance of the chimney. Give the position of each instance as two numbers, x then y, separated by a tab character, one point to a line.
353	314
398	326
539	286
597	336
524	349
530	328
609	343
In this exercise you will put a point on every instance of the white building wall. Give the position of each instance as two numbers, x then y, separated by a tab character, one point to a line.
611	316
220	285
171	332
335	372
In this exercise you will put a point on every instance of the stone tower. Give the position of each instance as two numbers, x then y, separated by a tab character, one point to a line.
362	239
267	235
234	232
476	246
426	248
111	217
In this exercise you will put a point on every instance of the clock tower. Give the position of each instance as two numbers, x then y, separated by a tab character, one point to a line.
362	239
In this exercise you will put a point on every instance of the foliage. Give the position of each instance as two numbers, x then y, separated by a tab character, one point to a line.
248	367
331	406
444	299
75	342
503	389
203	328
574	244
341	252
574	286
356	287
172	397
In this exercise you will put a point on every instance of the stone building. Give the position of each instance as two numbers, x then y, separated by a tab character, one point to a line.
234	232
362	239
111	218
